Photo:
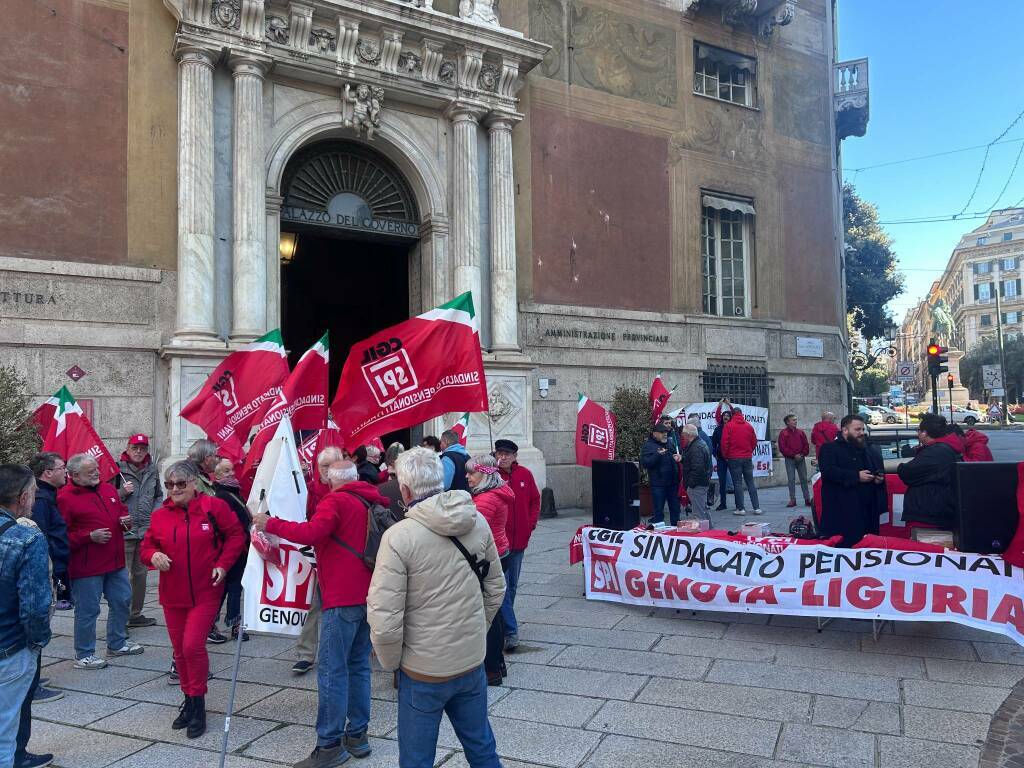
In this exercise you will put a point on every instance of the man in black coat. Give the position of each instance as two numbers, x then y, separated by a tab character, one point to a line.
853	495
929	475
662	474
51	475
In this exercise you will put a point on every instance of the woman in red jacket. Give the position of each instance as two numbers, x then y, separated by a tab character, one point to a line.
495	501
193	539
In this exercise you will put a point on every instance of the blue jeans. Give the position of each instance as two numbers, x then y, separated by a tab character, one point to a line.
659	495
86	594
725	480
343	674
16	675
515	564
464	700
742	471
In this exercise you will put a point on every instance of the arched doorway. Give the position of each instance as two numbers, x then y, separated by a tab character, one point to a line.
348	223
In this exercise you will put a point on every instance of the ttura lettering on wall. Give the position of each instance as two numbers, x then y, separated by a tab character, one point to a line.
24	297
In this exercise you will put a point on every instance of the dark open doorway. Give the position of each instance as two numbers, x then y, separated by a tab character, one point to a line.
351	288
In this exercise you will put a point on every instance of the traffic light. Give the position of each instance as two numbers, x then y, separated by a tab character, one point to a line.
937	360
949	381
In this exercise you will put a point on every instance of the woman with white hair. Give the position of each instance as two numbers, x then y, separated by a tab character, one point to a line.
193	540
494	500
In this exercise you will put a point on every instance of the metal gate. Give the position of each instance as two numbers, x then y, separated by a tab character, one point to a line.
743	385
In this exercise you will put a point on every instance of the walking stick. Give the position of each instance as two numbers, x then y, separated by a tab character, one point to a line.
231	694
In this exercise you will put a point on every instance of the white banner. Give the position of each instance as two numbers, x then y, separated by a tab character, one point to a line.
763	460
775	577
277	594
758	417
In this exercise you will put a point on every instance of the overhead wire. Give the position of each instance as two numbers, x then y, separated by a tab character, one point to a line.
984	159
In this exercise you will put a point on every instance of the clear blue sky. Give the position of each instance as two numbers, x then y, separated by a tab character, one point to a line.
943	76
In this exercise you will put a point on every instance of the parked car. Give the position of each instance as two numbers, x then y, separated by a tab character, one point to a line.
886	415
896	446
869	416
961	415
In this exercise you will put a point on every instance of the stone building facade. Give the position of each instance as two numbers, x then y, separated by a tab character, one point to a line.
625	186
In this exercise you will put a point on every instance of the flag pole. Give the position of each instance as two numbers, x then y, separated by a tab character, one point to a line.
231	694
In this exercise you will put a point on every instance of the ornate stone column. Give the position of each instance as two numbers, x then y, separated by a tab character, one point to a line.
465	214
195	322
504	305
249	263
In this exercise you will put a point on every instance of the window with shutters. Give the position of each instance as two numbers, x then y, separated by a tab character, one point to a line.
1011	318
724	75
983	291
725	246
982	240
982	267
986	321
1009	288
1007	236
1009	265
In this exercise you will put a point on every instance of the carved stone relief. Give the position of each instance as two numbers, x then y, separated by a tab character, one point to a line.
480	11
447	73
323	41
361	108
488	79
610	52
368	50
409	62
277	30
227	13
506	396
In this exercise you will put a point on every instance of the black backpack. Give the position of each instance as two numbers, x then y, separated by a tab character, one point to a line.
378	519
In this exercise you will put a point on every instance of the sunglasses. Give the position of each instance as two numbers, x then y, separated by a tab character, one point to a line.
176	485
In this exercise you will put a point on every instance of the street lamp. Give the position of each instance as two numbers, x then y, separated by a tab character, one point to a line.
861	360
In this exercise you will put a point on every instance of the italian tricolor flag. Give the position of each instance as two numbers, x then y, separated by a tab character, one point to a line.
461	428
70	432
303	398
239	393
426	367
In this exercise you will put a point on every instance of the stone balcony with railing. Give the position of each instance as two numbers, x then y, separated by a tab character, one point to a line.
850	100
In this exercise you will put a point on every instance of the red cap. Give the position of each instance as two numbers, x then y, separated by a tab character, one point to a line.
139	439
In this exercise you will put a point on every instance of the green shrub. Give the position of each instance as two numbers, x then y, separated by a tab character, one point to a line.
18	438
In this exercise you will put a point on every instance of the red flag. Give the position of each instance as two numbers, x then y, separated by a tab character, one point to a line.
239	392
42	416
303	397
427	366
70	432
595	432
659	397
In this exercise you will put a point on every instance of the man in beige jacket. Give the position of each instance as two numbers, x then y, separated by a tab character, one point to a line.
429	607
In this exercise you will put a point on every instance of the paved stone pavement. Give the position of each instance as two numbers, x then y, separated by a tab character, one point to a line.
595	684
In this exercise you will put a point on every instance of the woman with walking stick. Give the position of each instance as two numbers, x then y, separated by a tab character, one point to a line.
193	540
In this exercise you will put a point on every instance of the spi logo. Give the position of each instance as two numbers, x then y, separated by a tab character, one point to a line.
603	577
224	390
389	375
595	436
289	582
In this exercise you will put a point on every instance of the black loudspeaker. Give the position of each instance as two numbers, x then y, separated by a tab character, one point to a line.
986	505
616	488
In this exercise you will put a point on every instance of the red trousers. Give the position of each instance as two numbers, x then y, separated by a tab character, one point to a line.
188	628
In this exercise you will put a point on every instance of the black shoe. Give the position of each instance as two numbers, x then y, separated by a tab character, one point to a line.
325	757
141	621
234	634
34	761
720	507
197	725
302	667
184	714
216	638
44	694
172	675
358	746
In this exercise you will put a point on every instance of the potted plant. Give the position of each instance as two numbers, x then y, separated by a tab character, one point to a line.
632	411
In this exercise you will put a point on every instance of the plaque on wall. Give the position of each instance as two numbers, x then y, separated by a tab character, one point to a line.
808	346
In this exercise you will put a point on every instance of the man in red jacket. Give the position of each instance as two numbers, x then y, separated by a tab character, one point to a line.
337	532
96	518
794	448
520	524
824	431
739	441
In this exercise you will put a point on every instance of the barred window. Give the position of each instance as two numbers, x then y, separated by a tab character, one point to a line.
743	385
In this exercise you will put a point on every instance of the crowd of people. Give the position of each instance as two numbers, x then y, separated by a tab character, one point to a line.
435	603
679	465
